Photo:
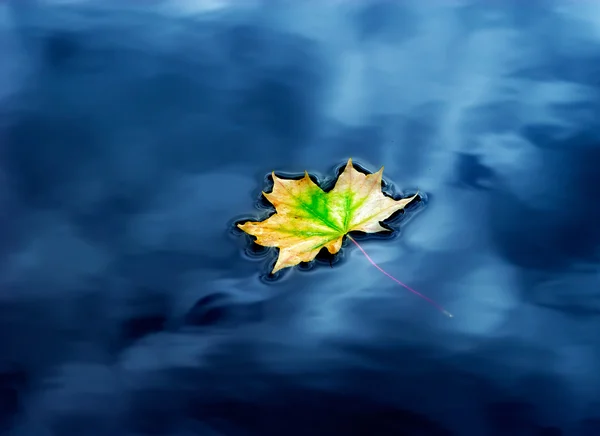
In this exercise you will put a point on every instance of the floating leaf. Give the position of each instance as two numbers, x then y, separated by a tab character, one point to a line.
308	219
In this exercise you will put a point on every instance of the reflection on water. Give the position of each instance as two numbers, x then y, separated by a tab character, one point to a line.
132	138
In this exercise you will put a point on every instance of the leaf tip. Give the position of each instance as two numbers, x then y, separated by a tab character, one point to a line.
378	174
276	268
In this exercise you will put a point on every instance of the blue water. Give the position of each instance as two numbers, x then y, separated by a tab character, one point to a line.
134	136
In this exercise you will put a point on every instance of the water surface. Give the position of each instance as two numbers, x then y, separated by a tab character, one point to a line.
132	139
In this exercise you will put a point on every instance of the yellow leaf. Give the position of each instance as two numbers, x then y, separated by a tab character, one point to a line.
308	218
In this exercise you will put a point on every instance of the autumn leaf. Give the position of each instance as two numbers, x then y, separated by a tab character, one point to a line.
309	218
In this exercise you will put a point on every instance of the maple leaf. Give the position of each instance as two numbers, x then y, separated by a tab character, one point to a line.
308	218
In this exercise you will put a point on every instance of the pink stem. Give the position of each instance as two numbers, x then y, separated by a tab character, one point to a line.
429	300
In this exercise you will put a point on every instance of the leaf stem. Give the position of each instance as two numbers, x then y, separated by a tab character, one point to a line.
429	300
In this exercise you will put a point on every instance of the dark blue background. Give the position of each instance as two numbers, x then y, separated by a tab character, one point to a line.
133	136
